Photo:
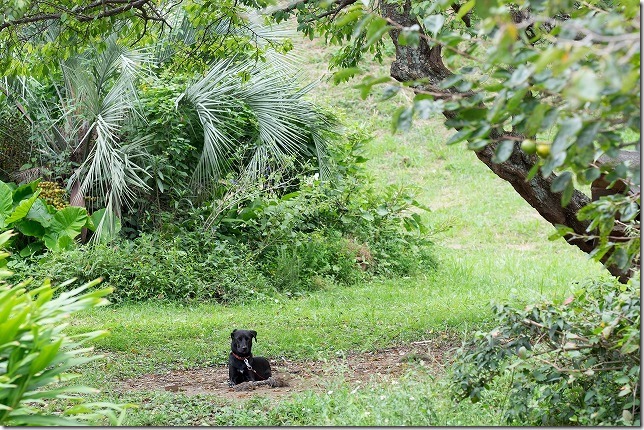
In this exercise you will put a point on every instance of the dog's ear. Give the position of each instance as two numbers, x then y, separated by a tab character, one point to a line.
232	335
253	333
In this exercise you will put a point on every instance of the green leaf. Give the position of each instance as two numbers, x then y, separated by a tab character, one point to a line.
376	29
382	210
519	76
450	81
30	228
567	193
465	9
425	108
503	151
587	134
533	172
69	221
39	213
349	18
482	8
45	356
368	82
434	23
562	231
22	209
585	86
459	136
548	56
25	191
409	36
6	203
533	123
630	212
402	118
367	216
568	129
561	182
389	91
343	75
591	174
42	420
31	249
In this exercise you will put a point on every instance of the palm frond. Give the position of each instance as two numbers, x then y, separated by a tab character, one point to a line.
285	122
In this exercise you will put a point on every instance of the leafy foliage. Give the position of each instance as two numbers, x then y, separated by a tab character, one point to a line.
177	265
263	240
15	149
555	79
571	362
87	118
35	352
379	231
40	224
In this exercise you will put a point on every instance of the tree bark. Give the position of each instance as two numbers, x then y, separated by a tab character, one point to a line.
425	62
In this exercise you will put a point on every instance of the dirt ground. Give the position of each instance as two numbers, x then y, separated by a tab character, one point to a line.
383	365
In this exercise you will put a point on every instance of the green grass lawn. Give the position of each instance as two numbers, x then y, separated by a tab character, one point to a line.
489	244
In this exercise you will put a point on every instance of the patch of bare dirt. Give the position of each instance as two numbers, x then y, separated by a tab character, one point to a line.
383	365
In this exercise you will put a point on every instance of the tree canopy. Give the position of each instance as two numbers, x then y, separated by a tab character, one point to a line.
538	89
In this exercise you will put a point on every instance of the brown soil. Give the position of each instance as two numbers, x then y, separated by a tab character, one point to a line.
383	365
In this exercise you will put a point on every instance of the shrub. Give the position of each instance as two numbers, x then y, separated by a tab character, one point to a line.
571	362
311	260
178	266
15	148
344	218
35	352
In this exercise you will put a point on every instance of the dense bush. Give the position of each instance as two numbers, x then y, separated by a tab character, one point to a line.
288	232
15	148
184	266
344	219
575	361
311	260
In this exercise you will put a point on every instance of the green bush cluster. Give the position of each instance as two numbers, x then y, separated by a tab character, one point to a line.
340	228
571	362
187	266
15	148
290	239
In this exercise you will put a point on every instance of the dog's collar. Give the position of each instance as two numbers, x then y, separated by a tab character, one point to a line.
247	363
241	358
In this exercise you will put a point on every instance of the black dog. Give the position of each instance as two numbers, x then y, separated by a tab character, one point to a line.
242	366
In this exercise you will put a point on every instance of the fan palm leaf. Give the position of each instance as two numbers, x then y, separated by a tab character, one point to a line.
285	123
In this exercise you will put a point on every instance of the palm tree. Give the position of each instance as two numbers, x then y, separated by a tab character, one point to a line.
285	124
96	96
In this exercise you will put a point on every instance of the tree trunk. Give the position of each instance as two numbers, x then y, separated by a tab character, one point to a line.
424	62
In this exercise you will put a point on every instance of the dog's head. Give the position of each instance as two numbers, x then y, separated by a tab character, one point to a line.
242	341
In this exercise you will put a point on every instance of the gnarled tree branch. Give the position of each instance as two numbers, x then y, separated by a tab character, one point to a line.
422	62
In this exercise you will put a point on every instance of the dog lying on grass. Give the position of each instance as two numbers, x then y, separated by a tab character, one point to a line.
242	366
